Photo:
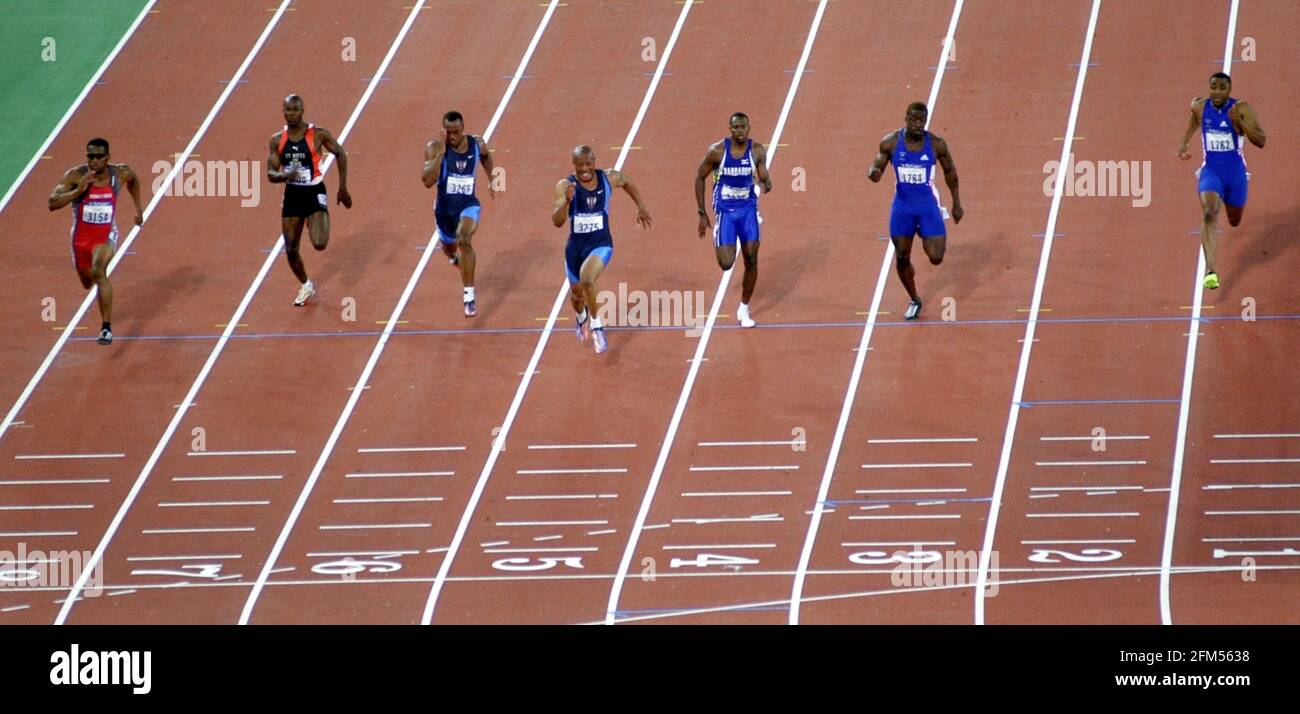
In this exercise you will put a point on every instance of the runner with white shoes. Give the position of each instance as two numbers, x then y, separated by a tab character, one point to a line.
582	199
737	163
449	164
295	162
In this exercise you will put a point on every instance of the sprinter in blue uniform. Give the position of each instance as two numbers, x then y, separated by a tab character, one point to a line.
449	164
735	163
1224	123
914	152
582	199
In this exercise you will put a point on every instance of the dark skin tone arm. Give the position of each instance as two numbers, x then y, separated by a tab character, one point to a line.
1193	123
949	175
712	160
941	153
433	152
78	180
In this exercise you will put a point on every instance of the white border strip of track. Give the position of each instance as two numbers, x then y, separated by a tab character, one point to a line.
389	326
441	578
635	534
846	409
1189	371
1031	326
135	230
76	104
234	320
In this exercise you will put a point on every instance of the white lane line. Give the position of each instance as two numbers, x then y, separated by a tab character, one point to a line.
173	531
122	592
698	359
369	553
1045	495
936	465
266	477
1280	553
1085	488
1230	486
711	494
399	474
549	537
724	546
235	318
587	549
935	517
1189	372
50	457
1295	539
50	507
889	543
372	526
1113	541
147	558
1095	462
563	497
1257	436
72	108
407	449
581	446
394	499
873	508
604	532
14	608
53	481
859	361
935	440
868	491
1083	515
255	452
35	534
788	442
1107	437
514	524
1031	325
567	472
746	468
1255	461
494	544
1100	493
494	453
1252	513
210	504
124	248
741	519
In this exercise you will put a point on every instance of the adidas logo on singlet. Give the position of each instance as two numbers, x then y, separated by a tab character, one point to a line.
1223	123
924	157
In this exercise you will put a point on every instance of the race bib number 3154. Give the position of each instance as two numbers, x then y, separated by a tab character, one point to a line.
97	213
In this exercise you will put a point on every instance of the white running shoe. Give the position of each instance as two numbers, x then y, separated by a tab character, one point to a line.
304	294
742	315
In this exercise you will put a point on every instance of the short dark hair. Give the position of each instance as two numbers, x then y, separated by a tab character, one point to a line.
738	115
1221	75
914	106
294	99
99	142
453	116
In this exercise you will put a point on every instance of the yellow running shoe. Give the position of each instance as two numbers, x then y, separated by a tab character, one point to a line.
1212	281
